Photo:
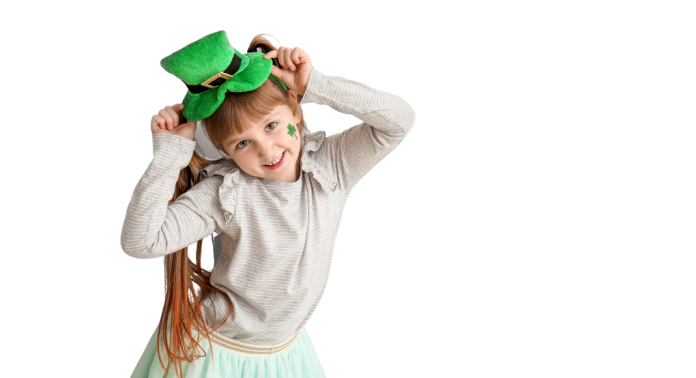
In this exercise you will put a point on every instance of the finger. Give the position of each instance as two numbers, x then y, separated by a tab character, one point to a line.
295	56
304	58
284	59
280	57
288	59
277	72
168	121
271	54
180	113
164	115
176	118
175	115
158	122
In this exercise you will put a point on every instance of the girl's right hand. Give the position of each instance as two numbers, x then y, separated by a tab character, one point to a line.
167	122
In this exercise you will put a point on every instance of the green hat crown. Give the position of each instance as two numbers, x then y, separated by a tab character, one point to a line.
210	67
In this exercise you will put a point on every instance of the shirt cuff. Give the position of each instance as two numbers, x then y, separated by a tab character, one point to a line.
173	148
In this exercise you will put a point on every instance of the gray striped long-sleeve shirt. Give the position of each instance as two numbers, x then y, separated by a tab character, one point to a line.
277	238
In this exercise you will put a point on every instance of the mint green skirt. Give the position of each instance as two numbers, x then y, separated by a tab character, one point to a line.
295	358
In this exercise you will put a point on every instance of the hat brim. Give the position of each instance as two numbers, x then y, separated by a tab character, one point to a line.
201	105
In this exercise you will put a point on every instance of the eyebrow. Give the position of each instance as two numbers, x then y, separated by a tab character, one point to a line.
263	123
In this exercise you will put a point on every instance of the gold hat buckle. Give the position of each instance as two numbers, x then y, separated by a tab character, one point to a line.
215	77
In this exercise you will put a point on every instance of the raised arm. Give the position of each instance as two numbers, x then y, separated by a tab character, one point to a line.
354	152
153	227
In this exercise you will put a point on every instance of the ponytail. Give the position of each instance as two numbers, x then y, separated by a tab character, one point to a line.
182	306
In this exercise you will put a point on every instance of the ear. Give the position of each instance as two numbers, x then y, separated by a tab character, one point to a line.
293	95
295	107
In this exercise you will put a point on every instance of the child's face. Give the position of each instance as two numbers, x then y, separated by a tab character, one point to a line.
264	142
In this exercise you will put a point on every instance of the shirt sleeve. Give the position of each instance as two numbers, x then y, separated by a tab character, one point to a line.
387	119
153	227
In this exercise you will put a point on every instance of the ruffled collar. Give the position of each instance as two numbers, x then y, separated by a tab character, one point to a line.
232	174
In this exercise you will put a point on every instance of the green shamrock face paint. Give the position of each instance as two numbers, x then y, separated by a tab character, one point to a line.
291	131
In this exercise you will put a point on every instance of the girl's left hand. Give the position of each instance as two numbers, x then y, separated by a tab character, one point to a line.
296	67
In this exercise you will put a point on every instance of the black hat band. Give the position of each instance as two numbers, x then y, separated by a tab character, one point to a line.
219	78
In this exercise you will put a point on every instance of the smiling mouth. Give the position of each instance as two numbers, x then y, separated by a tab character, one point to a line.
279	160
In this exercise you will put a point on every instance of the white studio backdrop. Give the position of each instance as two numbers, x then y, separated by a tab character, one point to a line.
537	222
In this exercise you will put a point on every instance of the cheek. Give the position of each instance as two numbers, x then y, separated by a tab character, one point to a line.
296	143
242	161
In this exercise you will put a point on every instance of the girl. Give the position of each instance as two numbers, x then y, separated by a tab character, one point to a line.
275	198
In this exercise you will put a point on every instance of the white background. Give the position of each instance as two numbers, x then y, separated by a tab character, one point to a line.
537	222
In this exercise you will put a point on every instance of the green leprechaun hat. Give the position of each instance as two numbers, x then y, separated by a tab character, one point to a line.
210	67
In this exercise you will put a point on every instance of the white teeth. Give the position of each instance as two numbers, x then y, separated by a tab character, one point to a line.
277	160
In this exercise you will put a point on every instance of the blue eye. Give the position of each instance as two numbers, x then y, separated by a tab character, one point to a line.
242	146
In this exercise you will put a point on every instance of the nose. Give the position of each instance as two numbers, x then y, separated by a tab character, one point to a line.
268	151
